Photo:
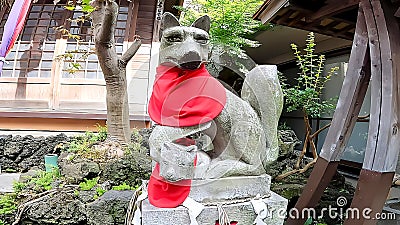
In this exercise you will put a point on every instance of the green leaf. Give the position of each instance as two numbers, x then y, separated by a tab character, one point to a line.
69	7
85	2
309	221
87	8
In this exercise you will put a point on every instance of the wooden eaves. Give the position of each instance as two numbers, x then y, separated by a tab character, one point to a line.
330	17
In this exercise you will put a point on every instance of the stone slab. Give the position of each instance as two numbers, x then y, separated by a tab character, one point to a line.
7	180
242	213
230	188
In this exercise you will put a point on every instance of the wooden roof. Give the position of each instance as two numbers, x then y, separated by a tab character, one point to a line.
335	18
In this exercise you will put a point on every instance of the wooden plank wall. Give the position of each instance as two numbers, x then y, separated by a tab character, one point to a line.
88	95
139	67
145	20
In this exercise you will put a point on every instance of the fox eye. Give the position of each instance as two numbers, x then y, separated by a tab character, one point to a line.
174	38
202	39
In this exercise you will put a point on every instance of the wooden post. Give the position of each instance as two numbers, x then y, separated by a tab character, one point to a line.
377	29
351	97
383	137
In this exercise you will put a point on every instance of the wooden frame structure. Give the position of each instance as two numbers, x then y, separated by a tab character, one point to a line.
375	61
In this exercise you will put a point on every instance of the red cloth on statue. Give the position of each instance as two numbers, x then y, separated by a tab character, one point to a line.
164	194
185	97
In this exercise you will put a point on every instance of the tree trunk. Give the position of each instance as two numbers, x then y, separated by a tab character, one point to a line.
114	69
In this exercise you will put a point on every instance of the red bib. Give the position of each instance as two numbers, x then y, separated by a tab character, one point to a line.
185	97
166	194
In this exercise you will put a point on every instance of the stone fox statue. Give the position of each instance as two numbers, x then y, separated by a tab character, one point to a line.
187	100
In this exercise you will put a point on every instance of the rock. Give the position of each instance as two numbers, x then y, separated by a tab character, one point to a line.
62	208
7	164
77	170
86	196
13	148
287	141
22	153
131	169
25	177
109	209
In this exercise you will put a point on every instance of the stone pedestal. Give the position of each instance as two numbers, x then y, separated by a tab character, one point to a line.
233	193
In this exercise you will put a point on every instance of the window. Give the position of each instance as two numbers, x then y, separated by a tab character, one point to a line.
89	67
33	52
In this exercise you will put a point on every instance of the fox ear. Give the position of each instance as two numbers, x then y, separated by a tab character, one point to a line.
202	23
169	20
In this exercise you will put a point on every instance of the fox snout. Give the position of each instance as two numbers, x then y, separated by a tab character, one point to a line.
190	61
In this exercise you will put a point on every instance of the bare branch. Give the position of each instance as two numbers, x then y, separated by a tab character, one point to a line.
104	19
130	52
320	130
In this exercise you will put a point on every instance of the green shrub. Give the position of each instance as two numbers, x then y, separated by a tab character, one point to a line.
100	191
82	144
7	204
306	94
43	179
9	170
19	186
231	21
123	187
87	185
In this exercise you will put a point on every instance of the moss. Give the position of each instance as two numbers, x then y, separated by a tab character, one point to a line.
124	187
87	185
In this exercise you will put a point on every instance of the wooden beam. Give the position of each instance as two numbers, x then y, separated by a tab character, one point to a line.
284	18
333	7
269	10
331	25
351	96
383	142
383	137
397	14
371	193
301	25
294	20
62	114
132	20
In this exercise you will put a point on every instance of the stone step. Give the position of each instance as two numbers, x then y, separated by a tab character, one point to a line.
242	212
7	180
230	188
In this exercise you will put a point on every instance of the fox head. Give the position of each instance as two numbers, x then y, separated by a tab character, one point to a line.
185	47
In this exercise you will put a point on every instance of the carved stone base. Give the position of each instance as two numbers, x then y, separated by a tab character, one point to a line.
243	213
233	193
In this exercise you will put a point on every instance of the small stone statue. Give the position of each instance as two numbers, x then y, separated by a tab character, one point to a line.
186	100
